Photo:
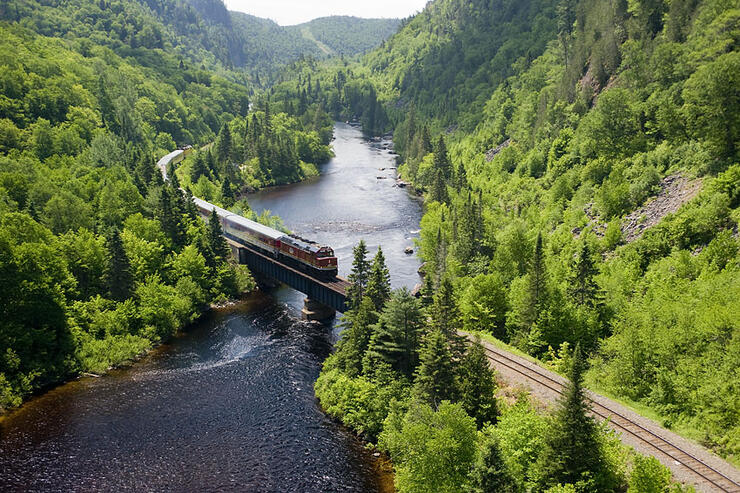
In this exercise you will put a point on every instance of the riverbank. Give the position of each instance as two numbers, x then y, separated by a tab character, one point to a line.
131	359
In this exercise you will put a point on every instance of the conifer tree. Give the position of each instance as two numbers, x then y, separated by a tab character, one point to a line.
490	473
477	385
190	209
359	275
571	451
395	338
227	194
442	159
427	290
355	340
216	239
379	281
120	280
169	216
537	281
199	169
435	377
426	141
583	287
439	188
224	144
446	316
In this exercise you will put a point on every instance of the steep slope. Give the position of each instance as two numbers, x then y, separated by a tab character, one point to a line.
348	36
558	119
200	31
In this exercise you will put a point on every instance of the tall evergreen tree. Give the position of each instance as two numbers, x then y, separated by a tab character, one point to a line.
571	452
359	275
583	287
426	141
379	281
477	385
537	281
120	280
199	169
224	145
355	340
442	159
445	316
490	473
439	188
435	377
216	239
169	216
395	338
227	194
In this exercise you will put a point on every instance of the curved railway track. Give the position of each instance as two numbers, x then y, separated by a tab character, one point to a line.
704	472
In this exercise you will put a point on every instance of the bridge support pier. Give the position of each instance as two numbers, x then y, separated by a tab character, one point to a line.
313	310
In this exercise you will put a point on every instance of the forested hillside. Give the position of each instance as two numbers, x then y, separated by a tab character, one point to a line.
200	30
528	212
100	259
580	164
348	36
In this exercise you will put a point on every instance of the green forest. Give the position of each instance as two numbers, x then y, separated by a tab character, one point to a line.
579	162
581	171
406	380
100	259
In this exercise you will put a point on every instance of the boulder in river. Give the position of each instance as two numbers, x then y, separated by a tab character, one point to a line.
408	250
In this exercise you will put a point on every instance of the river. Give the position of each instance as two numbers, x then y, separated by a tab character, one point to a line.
228	404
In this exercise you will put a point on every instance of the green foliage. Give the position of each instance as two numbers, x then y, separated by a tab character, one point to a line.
571	452
432	451
100	260
490	472
649	476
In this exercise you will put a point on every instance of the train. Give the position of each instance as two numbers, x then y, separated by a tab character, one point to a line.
306	255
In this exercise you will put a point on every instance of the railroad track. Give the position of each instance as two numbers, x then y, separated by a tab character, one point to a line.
706	473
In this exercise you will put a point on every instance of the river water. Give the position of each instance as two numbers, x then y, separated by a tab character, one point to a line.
229	404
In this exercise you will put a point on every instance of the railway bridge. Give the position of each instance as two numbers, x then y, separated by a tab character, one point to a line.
323	297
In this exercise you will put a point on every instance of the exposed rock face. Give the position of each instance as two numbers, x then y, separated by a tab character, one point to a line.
675	190
491	153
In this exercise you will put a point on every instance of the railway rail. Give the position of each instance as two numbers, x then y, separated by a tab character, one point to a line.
707	474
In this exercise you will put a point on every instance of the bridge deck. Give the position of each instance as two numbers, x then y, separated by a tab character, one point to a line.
331	292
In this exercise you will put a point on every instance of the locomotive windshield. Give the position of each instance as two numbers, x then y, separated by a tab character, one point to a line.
325	252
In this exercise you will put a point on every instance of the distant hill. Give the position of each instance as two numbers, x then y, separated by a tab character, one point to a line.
203	32
347	35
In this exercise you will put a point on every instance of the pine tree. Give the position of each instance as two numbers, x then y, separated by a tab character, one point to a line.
216	239
379	281
439	188
583	287
120	280
426	141
442	159
395	337
571	450
477	385
435	377
169	216
359	275
462	178
427	290
199	169
224	145
227	194
355	340
537	281
190	209
490	473
446	316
